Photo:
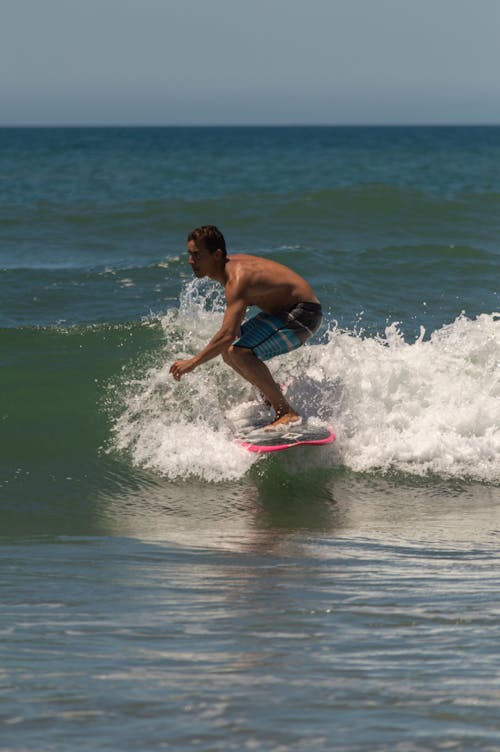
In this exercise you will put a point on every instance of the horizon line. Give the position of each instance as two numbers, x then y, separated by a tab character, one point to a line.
430	124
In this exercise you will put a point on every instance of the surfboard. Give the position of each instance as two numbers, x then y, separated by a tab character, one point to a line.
305	434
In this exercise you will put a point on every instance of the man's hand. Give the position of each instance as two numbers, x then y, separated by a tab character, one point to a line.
181	367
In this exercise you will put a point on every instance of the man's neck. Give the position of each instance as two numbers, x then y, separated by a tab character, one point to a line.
220	274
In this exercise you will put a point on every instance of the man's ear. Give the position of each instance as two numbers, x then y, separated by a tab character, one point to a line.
218	253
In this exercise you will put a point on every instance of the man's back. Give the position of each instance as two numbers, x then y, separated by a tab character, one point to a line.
267	284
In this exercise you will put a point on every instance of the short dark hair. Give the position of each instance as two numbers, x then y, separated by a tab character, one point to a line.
210	237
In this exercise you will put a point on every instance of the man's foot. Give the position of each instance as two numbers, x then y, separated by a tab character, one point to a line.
288	420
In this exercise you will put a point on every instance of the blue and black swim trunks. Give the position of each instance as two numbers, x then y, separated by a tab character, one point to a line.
283	332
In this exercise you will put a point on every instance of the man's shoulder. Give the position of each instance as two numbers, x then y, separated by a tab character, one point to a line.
247	261
241	264
243	258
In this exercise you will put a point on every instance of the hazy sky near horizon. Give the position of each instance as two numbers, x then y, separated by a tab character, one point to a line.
207	62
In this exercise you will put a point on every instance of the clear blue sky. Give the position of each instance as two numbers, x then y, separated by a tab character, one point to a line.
249	61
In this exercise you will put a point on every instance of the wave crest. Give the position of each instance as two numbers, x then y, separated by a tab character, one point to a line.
429	406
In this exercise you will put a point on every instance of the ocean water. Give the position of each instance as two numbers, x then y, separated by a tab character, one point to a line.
162	588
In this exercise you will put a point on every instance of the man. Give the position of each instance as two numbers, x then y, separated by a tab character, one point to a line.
290	314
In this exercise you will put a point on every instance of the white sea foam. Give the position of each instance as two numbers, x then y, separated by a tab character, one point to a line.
429	406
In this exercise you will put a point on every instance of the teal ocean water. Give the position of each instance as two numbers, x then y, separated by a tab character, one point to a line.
162	588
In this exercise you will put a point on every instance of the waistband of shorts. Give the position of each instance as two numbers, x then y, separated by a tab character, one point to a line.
306	306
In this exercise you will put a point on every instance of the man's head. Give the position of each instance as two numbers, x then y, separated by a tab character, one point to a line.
209	237
207	251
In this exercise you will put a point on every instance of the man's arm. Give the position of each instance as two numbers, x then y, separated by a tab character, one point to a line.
228	332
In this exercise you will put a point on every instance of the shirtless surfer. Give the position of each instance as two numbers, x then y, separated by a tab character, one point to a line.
290	314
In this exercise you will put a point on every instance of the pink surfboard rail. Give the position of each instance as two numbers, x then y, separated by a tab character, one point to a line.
287	441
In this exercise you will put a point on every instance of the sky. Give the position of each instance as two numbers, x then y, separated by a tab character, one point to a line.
249	62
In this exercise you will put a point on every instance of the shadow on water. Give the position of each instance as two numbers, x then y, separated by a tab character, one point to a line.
295	499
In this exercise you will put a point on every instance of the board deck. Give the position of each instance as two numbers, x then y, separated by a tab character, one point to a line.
258	440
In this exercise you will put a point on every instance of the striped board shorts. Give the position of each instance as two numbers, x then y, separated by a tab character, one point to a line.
268	336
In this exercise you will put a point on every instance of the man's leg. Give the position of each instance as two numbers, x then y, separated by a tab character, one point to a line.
251	368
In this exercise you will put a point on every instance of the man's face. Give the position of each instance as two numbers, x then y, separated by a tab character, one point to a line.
200	260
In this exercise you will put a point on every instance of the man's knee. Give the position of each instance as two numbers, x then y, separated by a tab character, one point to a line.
237	353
